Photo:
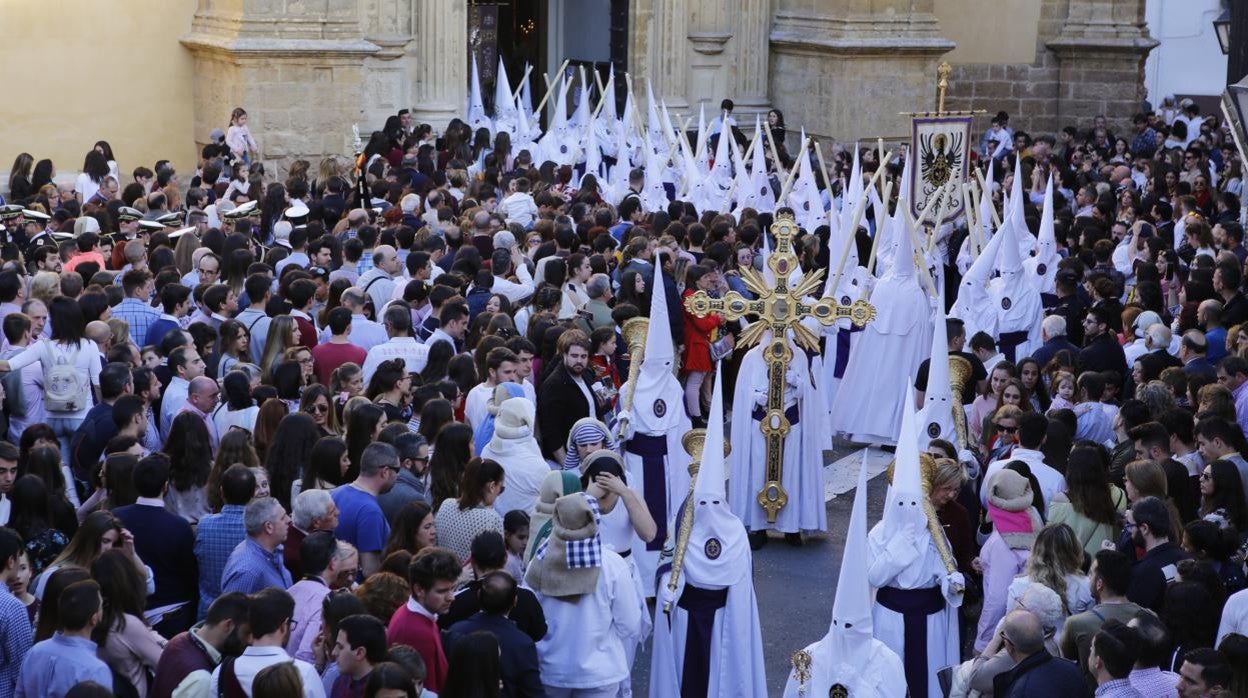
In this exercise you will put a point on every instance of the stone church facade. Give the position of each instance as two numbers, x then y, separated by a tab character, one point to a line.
306	70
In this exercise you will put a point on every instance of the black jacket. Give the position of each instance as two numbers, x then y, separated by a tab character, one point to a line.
527	615
1103	353
517	653
560	403
1041	674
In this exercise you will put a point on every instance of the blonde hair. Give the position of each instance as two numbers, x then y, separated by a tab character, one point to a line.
120	330
948	473
1055	553
45	286
1064	377
280	338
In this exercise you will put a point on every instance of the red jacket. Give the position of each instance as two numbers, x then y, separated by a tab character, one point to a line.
699	332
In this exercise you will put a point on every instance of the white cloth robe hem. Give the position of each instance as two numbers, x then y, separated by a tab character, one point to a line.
735	669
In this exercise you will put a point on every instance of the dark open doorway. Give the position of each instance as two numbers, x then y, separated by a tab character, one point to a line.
543	33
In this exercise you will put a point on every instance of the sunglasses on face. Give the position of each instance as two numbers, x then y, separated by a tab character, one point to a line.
1006	429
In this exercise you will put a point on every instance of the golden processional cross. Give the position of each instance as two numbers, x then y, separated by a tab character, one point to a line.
779	308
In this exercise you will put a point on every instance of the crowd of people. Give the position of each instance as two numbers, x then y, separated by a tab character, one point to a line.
355	430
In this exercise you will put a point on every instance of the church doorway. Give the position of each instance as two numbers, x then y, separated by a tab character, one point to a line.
544	33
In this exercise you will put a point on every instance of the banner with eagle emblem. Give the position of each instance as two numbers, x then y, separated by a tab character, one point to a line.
942	151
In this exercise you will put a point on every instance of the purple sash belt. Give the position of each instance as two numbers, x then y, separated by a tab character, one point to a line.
914	605
792	414
1009	342
653	450
700	606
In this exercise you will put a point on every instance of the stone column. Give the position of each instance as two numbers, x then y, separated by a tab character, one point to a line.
1101	50
669	58
440	88
296	66
847	73
753	23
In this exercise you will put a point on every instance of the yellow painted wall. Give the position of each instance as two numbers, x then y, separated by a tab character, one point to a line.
77	71
990	31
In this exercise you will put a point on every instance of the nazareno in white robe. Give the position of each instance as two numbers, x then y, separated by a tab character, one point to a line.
885	356
671	427
718	557
803	449
895	560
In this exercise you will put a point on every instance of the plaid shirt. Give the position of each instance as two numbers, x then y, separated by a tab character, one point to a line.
215	538
139	316
366	262
1154	683
18	636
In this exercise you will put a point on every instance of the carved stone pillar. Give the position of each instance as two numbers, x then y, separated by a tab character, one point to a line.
669	55
753	24
440	65
1101	51
847	73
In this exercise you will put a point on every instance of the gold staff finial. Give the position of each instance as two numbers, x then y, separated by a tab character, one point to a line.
942	84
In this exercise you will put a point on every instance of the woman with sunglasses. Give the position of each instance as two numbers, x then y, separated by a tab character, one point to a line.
1002	436
316	401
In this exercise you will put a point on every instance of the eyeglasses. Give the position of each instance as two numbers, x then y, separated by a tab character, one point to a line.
1206	476
1005	429
318	408
393	468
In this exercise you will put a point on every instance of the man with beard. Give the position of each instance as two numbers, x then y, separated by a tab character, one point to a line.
186	664
565	397
1101	351
1108	579
360	519
1148	521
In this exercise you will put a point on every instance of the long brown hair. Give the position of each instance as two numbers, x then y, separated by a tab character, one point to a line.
122	589
478	474
1087	486
235	447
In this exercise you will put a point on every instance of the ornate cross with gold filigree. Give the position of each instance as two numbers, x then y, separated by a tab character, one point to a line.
779	308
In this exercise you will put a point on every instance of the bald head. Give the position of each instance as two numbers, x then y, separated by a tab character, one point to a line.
1024	632
353	299
386	258
202	386
97	331
202	393
481	221
357	218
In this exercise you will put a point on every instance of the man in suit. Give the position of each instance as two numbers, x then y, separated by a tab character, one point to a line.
1037	673
518	652
565	396
165	542
1192	350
